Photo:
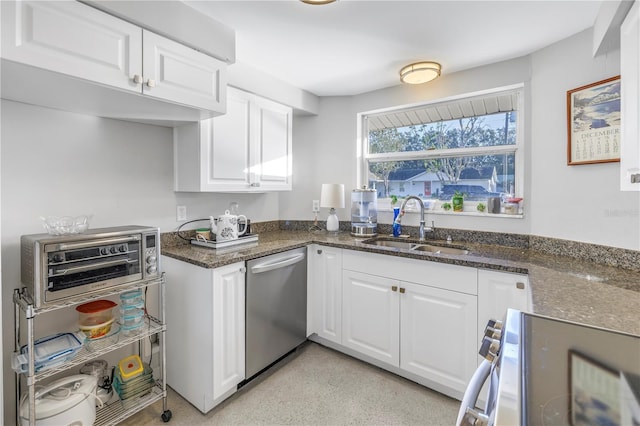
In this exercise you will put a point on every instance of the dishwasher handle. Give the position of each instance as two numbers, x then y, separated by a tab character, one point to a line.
280	263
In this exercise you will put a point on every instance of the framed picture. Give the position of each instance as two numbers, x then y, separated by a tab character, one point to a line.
593	123
594	392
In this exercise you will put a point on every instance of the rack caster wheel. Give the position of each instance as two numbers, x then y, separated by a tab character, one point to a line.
166	416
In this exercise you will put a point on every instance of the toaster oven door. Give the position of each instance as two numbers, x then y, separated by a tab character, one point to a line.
83	267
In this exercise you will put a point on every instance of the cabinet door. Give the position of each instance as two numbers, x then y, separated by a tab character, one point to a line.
630	100
438	334
228	328
226	145
370	316
272	160
497	292
325	292
177	73
73	39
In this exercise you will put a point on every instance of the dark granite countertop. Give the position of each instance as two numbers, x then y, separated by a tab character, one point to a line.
562	287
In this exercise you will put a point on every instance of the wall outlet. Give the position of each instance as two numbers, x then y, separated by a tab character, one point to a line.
315	206
181	213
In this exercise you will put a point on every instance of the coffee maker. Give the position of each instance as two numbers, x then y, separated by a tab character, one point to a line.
364	212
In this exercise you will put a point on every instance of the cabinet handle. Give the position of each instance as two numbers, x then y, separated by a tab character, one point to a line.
255	184
319	251
402	290
635	178
243	270
520	285
394	288
137	79
151	83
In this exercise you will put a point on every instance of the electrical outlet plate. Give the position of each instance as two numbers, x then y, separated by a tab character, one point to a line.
315	206
181	213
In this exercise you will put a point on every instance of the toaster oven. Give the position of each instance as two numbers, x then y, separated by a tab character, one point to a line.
59	267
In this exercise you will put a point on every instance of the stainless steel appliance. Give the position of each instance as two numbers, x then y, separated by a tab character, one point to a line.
57	267
364	212
276	308
543	370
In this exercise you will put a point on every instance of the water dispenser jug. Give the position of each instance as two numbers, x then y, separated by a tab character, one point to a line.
364	212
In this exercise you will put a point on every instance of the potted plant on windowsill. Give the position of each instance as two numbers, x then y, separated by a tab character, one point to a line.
457	201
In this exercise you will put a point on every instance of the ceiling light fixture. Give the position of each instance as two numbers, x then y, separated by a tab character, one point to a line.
420	72
317	1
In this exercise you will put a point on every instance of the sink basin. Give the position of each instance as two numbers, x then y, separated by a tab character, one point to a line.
390	243
439	249
417	246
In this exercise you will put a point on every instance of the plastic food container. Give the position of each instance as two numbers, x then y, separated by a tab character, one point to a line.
129	298
98	330
48	352
96	312
131	318
130	367
136	386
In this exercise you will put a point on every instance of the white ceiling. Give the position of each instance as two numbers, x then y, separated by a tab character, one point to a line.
356	46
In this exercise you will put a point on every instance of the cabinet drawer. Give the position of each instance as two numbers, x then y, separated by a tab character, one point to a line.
462	279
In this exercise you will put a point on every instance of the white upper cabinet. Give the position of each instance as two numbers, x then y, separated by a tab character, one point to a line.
72	39
70	56
630	102
180	74
246	150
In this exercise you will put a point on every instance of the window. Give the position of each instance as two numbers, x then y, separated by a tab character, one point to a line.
471	144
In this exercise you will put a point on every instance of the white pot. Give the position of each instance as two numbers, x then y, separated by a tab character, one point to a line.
68	401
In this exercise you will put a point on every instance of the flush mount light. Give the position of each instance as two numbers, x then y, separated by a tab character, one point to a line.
317	1
420	72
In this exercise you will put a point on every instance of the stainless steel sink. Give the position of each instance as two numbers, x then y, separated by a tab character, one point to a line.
390	243
408	245
439	249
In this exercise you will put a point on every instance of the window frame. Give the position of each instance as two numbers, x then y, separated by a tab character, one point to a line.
518	149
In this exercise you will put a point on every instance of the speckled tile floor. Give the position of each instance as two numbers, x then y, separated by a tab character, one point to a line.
316	386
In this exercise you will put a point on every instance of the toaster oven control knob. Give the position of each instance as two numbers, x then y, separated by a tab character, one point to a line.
57	257
113	249
104	250
151	259
122	248
152	269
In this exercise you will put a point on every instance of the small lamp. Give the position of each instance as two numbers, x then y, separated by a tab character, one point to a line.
332	196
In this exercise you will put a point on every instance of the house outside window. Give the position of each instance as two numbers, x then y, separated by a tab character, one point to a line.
472	144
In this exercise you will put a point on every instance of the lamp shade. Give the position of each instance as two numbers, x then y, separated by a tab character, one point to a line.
332	195
420	72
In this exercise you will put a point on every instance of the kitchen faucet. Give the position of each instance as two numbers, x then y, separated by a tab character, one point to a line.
421	231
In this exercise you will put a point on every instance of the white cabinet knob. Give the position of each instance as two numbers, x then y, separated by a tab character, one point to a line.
151	83
137	79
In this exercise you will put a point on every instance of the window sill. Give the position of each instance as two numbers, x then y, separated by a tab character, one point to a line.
470	209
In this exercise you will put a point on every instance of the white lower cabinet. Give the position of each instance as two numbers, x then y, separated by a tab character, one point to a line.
206	342
497	292
438	334
370	315
427	328
324	292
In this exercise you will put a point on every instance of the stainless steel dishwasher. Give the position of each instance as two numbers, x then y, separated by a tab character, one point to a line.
276	308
